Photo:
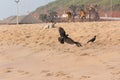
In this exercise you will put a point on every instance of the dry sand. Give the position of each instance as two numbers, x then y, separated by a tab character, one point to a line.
29	52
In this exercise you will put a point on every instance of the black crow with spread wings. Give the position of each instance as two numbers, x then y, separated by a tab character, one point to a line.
64	38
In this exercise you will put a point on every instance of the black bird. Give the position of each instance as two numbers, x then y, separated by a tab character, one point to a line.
64	38
61	40
62	32
92	40
70	41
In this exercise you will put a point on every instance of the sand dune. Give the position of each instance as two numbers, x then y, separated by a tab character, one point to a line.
29	51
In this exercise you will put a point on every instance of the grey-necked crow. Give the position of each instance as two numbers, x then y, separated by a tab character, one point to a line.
92	40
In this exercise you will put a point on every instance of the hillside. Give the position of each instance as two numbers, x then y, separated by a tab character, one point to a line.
60	5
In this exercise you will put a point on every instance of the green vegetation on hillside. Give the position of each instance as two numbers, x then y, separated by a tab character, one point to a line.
64	4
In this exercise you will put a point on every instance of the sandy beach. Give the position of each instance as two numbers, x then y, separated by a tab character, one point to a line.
30	52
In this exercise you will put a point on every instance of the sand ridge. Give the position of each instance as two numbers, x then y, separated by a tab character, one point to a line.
29	51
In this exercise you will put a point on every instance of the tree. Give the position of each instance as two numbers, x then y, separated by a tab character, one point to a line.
81	7
73	9
43	17
52	15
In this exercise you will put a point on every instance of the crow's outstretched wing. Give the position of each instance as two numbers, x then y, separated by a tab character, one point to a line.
71	41
62	32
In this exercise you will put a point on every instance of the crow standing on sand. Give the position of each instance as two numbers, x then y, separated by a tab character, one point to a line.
92	40
64	38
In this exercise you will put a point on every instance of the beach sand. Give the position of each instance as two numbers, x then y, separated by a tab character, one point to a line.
30	52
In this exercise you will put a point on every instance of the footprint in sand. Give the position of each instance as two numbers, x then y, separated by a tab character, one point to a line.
85	54
60	73
109	66
63	75
22	72
8	70
116	73
47	73
84	77
44	71
56	74
113	70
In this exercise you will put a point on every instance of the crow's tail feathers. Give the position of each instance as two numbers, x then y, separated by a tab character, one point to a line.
78	44
88	41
